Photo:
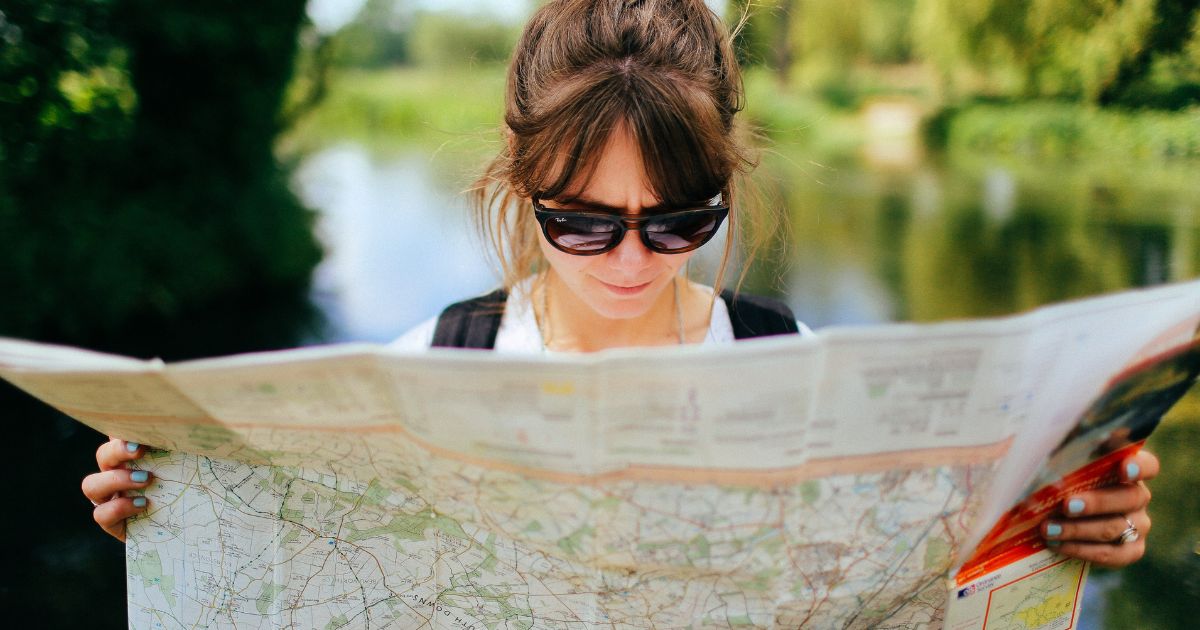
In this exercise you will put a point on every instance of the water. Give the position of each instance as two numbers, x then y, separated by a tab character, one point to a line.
399	247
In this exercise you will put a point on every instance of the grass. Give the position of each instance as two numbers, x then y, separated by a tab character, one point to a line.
460	109
402	107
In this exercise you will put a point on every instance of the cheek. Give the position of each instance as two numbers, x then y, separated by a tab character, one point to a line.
670	264
562	263
675	262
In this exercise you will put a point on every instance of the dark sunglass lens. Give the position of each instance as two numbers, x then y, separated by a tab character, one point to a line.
681	232
581	234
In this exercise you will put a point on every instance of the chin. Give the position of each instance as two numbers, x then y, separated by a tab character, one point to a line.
621	309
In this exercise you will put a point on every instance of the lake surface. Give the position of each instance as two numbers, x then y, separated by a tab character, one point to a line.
871	240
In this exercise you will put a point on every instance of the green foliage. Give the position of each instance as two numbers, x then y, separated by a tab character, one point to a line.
886	34
757	25
1094	51
842	52
790	117
1130	53
1167	74
406	106
378	37
138	178
1055	129
447	39
805	30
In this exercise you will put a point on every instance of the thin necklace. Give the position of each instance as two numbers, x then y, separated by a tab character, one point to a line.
546	331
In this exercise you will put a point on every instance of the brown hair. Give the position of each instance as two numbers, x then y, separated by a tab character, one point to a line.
662	69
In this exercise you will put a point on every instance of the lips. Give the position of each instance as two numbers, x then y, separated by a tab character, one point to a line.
625	290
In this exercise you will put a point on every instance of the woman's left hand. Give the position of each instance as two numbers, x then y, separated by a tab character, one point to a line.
1089	524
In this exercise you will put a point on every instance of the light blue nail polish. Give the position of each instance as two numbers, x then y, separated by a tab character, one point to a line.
139	476
1054	530
1075	506
139	502
1131	471
132	446
1053	544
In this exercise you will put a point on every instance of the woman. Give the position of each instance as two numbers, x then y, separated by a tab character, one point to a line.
622	159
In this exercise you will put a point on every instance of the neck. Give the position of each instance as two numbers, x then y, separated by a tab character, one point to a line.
569	324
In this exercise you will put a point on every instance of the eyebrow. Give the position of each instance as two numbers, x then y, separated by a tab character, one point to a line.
593	204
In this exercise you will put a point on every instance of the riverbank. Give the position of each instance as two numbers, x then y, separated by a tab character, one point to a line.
459	109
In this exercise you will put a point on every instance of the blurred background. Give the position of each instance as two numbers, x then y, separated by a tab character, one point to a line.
183	179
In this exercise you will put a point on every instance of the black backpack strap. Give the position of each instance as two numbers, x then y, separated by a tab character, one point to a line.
471	323
754	316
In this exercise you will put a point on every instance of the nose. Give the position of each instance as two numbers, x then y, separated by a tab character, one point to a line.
630	255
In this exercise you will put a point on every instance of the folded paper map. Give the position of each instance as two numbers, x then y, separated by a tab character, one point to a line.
883	476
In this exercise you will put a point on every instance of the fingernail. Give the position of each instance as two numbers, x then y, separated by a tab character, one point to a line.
139	476
139	502
1131	471
1054	530
132	446
1053	544
1076	505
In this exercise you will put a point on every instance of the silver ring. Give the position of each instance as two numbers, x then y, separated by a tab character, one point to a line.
1129	535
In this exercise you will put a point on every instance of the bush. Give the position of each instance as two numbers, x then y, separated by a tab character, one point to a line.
138	178
1064	130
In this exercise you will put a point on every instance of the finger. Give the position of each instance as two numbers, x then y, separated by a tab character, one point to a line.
1119	499
114	453
102	486
1097	529
111	515
1139	467
1104	554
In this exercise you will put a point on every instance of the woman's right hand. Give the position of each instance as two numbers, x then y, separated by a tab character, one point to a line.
106	489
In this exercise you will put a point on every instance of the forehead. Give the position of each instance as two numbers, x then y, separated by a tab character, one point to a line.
617	178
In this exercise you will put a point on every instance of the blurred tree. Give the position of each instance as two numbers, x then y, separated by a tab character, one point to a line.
766	36
822	43
751	25
136	169
443	39
378	37
887	34
1166	72
1095	51
141	211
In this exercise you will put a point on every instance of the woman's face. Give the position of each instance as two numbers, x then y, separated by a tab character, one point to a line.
627	281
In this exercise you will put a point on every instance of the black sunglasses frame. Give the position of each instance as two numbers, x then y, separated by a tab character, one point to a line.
625	223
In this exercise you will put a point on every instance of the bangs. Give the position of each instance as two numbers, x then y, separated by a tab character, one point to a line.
678	129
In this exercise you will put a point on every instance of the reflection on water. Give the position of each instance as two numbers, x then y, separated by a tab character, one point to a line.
398	248
931	241
972	240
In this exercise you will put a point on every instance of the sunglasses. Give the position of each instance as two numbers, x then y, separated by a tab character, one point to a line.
592	233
